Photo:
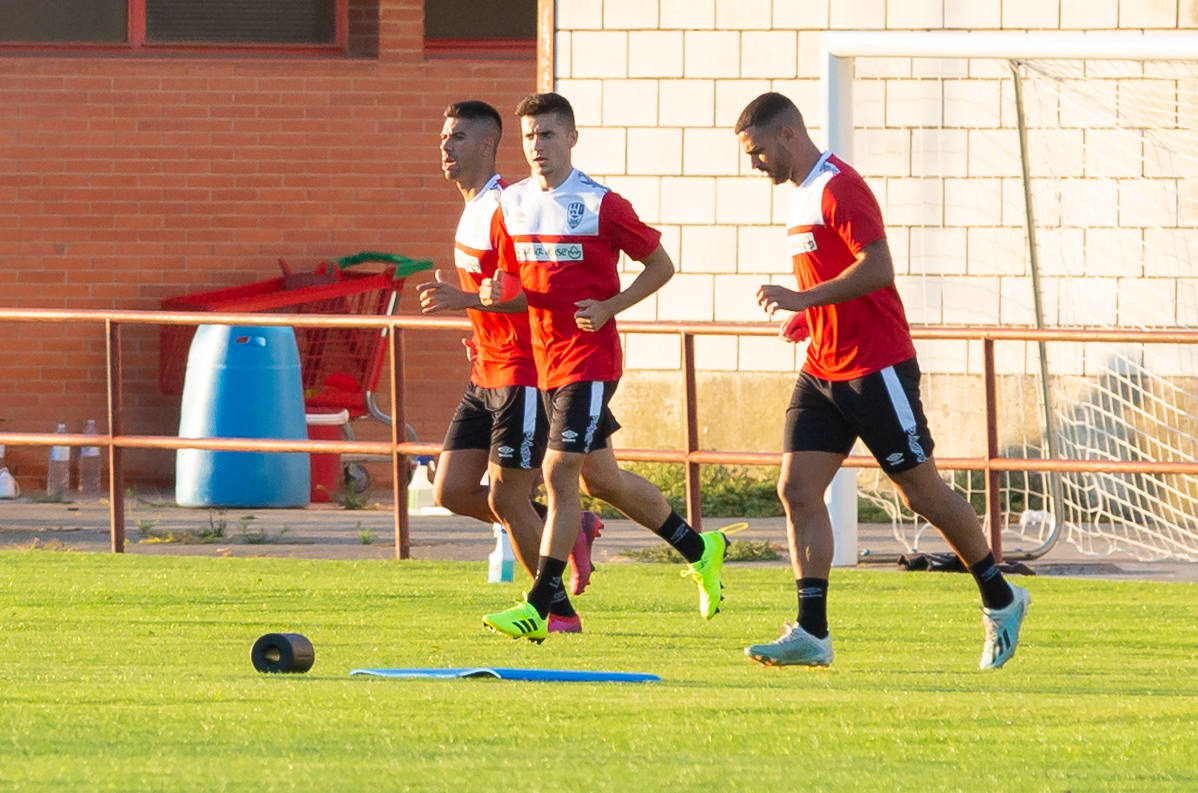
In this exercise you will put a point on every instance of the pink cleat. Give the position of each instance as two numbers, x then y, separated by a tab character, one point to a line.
565	624
580	557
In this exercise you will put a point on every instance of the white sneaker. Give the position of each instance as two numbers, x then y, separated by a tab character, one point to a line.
1002	629
795	647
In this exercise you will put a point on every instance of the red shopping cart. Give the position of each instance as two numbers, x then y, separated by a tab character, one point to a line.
340	367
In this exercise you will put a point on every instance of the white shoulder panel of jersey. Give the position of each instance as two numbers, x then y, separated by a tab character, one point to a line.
571	210
807	200
474	227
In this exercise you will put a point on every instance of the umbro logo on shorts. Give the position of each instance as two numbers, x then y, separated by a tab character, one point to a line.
895	458
506	451
569	435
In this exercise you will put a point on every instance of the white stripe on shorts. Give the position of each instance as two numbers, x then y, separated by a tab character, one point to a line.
530	425
594	411
898	400
530	411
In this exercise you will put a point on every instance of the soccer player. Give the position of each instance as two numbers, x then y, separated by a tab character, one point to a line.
860	380
563	237
499	428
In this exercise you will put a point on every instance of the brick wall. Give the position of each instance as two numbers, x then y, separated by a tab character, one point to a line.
129	179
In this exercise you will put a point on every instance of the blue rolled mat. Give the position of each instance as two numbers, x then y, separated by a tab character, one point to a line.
502	673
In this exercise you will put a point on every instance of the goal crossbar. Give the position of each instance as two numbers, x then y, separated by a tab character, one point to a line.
838	48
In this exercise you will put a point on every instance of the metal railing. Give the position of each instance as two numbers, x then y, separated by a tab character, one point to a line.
992	464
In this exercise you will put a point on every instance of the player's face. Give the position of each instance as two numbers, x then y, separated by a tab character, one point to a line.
766	153
548	139
467	149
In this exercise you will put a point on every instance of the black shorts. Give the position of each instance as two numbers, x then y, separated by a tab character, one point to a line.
882	409
579	419
510	421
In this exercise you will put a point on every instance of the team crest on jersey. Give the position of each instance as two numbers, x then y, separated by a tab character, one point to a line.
574	212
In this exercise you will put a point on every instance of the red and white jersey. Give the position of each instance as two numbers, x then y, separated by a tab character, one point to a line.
503	341
833	215
564	244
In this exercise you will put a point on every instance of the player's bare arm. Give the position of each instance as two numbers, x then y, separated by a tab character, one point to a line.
440	295
594	314
873	270
502	293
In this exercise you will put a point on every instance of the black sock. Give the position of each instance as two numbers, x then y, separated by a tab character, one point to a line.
541	509
813	605
547	589
563	607
996	593
681	537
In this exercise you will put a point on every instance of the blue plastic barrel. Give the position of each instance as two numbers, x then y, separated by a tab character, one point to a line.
242	382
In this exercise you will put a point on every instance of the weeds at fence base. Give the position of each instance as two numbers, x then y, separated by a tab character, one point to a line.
738	551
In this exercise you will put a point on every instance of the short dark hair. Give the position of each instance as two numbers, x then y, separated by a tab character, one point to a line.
541	104
769	108
475	110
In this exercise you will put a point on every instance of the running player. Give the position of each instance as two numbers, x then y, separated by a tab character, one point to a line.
563	235
860	380
499	428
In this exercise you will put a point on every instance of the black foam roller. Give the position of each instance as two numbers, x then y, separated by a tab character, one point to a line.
283	652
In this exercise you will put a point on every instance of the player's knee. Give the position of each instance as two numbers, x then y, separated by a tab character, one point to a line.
561	474
502	497
497	503
929	504
798	496
446	497
604	488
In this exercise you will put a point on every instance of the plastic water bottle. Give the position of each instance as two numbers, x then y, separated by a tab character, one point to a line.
89	465
8	483
58	472
501	561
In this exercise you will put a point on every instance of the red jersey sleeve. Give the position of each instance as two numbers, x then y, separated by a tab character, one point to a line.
850	208
505	247
619	224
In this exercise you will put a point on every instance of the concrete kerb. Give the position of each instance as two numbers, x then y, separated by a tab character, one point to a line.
154	525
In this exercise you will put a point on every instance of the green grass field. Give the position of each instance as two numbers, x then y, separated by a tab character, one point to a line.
132	673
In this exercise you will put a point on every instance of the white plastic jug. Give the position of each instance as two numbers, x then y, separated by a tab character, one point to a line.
501	561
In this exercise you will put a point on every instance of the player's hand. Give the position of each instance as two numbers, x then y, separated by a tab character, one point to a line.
471	350
491	290
591	315
796	328
772	297
440	295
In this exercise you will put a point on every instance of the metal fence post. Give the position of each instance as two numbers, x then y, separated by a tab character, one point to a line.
993	505
694	496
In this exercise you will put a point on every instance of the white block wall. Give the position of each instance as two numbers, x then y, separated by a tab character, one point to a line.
657	86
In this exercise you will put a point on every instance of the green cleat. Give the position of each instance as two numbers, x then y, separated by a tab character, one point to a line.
706	573
519	622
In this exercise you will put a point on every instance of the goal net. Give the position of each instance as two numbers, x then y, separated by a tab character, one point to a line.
1048	187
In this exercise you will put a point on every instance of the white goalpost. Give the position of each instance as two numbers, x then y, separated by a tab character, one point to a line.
1044	180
